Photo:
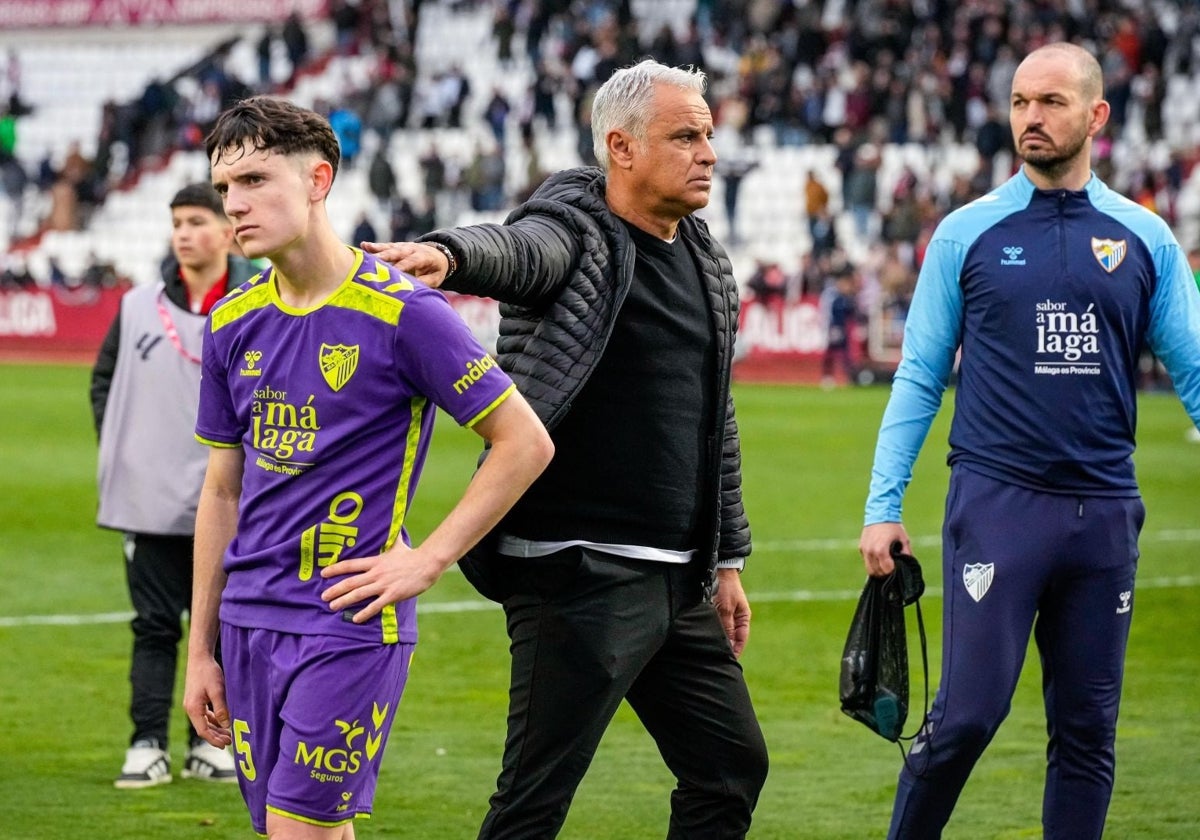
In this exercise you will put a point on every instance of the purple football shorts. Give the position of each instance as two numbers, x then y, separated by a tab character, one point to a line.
311	716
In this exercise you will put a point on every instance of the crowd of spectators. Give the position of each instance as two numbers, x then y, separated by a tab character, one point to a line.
932	72
856	76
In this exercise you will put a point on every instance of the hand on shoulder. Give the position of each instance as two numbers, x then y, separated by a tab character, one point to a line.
423	261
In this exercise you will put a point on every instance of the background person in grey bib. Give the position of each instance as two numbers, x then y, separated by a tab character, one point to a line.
145	389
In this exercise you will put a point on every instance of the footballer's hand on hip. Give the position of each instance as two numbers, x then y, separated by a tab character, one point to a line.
396	575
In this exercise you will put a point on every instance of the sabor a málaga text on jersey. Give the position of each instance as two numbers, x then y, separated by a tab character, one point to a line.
333	407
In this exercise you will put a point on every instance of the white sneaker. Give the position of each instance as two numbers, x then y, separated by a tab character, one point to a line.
146	764
1192	435
209	764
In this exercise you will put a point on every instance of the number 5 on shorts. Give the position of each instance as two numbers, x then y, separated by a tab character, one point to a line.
242	747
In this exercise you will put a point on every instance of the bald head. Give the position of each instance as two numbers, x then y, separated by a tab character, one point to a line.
1057	108
1083	64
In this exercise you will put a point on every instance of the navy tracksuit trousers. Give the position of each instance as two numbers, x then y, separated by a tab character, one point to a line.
1014	560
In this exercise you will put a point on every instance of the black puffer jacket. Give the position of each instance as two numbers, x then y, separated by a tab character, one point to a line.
561	265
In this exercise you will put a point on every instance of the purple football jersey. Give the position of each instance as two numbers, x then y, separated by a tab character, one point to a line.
333	407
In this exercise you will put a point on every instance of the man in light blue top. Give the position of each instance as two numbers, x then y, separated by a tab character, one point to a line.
1049	286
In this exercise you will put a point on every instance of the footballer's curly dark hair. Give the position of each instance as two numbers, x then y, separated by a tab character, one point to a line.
274	125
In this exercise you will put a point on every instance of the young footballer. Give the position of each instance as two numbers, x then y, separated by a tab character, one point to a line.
320	378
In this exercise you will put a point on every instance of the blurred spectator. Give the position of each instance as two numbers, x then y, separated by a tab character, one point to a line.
58	277
842	315
1148	90
902	223
295	41
768	283
484	179
545	86
8	134
429	107
100	274
897	278
364	231
732	170
151	132
453	91
200	113
346	17
433	171
10	97
64	207
264	51
583	140
503	30
387	108
13	181
535	173
347	125
816	202
106	139
993	135
403	221
16	275
823	230
381	177
496	115
860	188
424	217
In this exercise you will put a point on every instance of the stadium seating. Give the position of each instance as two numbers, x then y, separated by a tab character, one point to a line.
67	78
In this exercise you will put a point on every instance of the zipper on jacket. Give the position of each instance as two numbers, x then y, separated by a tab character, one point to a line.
1062	231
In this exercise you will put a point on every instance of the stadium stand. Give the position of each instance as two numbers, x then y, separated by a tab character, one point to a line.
796	89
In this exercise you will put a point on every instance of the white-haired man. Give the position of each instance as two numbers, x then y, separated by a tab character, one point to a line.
618	569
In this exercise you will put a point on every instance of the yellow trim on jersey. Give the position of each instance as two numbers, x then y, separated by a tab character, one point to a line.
235	306
292	310
219	444
391	629
491	407
359	292
310	821
369	301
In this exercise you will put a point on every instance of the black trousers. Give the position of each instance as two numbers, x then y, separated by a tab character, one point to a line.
158	570
588	630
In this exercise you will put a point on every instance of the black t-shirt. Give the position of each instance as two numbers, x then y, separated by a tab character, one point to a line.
631	455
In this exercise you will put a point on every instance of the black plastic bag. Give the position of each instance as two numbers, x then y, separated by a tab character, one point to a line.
874	676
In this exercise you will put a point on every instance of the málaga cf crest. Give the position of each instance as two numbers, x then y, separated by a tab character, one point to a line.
1110	253
977	578
338	363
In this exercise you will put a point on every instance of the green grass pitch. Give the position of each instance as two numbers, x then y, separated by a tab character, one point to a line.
807	453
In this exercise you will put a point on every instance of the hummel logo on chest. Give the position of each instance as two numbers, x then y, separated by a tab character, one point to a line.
1012	254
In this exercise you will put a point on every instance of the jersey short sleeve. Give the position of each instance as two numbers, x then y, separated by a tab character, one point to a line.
443	360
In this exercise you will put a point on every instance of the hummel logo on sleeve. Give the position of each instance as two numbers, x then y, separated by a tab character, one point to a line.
1012	254
1126	602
